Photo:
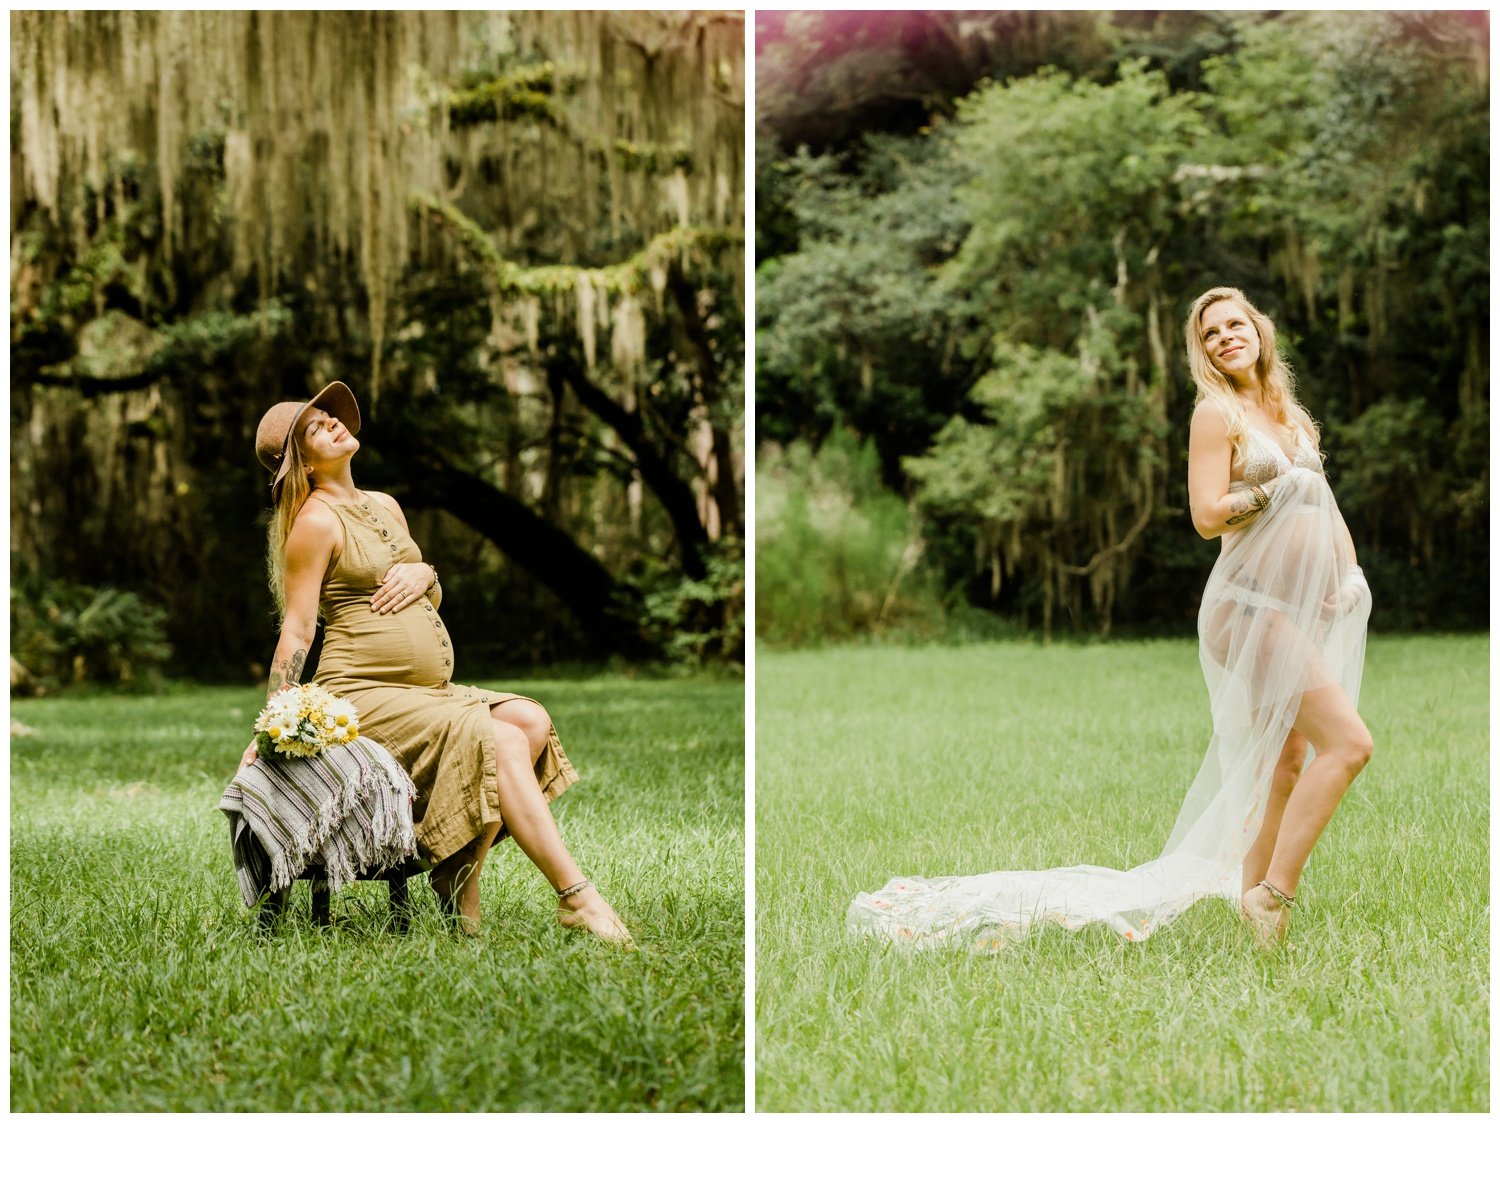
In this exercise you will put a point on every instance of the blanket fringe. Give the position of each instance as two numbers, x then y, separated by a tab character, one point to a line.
361	826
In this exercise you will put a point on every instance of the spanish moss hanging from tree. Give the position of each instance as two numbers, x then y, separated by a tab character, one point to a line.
518	236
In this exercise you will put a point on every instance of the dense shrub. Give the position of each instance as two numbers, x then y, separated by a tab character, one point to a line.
63	633
698	623
837	554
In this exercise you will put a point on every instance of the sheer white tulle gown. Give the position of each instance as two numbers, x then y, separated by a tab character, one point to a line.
1284	612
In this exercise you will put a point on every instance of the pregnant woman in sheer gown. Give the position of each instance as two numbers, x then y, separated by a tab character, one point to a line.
1281	632
486	764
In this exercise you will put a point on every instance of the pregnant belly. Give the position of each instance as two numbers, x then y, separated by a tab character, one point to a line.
410	647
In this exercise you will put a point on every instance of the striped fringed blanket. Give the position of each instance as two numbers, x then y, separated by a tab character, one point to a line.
348	807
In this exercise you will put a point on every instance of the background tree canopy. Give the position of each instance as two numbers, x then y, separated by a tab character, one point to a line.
518	237
977	235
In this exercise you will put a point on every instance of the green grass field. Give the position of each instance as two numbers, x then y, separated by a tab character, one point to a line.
139	981
873	762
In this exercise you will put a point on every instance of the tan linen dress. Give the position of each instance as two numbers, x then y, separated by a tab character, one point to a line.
397	670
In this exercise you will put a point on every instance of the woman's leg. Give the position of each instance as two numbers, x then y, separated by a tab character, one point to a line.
1330	723
1342	741
524	808
457	877
1283	779
521	729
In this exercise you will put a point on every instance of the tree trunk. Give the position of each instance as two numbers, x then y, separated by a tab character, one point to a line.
725	492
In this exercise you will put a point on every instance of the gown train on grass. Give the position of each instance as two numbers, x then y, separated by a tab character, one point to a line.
1284	612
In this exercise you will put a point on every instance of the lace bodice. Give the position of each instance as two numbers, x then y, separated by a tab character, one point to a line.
1266	459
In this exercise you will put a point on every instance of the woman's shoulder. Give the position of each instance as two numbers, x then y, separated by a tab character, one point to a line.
316	512
315	522
1209	416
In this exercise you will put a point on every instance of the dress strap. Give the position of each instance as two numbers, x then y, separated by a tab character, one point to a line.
338	551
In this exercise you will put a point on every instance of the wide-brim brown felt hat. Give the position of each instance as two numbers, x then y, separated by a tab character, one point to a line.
274	434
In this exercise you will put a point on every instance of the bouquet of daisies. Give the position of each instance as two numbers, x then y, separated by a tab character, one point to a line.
303	720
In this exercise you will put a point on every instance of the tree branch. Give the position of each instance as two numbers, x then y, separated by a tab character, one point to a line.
608	610
675	495
1108	553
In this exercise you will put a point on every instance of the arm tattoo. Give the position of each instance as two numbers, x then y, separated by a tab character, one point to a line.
287	672
1243	508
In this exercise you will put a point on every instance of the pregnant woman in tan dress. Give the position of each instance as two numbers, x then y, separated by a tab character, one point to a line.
486	764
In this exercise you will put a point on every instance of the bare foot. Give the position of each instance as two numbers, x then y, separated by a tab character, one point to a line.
1265	916
457	890
588	910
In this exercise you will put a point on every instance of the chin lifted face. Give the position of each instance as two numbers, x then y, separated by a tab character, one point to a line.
1229	337
323	439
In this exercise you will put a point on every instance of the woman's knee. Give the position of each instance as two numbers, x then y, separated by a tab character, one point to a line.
1361	748
511	743
527	717
1352	749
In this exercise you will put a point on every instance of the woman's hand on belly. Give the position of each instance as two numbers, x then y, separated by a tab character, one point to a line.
401	585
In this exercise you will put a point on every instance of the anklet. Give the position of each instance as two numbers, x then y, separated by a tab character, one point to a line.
1284	899
571	890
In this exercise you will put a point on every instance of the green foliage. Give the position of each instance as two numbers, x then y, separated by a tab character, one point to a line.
1400	445
204	154
701	623
651	158
520	94
1057	454
217	335
997	300
999	469
1176	42
64	633
1403	473
850	328
698	244
1071	189
1071	197
66	290
837	553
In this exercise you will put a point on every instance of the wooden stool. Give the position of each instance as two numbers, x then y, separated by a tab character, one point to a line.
275	904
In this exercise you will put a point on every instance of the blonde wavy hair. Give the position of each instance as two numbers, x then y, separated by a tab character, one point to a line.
1277	385
286	504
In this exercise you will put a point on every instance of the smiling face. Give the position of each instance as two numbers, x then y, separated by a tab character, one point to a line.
323	440
1229	338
